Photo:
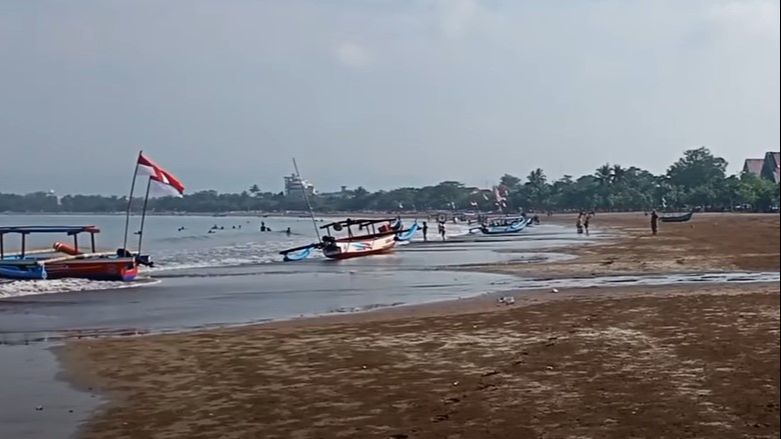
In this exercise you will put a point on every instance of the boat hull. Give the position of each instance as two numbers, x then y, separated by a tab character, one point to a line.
677	219
114	269
355	247
504	230
22	272
120	269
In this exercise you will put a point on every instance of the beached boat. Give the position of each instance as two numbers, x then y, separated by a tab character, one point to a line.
374	236
677	219
503	225
66	261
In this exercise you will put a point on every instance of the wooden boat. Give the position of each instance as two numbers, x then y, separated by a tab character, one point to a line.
677	219
503	225
66	261
375	236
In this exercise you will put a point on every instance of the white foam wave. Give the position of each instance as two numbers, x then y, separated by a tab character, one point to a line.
21	288
250	253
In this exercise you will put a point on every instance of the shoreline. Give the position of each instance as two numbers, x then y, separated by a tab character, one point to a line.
590	261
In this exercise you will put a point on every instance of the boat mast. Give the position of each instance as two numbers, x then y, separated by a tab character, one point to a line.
143	216
306	198
130	201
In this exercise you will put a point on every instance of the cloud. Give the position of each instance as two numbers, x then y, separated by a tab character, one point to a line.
457	16
757	17
353	55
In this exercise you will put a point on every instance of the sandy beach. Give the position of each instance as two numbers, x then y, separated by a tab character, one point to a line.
661	361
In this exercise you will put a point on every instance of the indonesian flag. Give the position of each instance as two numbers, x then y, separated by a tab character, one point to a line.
500	196
166	181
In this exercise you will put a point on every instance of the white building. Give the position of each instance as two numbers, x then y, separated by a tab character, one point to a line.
295	186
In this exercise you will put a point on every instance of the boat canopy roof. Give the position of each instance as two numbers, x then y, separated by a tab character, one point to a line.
507	217
70	230
357	222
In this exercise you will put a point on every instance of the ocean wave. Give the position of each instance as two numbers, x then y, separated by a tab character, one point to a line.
248	253
22	288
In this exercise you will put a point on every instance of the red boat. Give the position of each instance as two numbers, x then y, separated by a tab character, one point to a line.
66	261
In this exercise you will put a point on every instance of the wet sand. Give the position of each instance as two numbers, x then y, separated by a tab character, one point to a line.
662	361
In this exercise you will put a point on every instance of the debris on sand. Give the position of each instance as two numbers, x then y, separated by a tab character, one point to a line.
506	300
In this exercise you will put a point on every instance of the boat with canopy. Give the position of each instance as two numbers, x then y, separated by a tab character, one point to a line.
64	260
373	236
364	237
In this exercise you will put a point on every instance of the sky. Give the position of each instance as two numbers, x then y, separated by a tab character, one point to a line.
378	93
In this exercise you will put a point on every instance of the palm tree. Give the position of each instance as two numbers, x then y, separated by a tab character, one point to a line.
618	173
604	174
538	188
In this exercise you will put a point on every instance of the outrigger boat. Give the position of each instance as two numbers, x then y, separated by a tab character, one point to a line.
503	225
378	236
63	260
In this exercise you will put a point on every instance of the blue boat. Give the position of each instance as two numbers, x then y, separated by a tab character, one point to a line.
11	268
503	226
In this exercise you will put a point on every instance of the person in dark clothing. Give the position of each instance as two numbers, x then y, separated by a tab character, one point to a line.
654	222
262	226
585	223
425	231
288	232
579	223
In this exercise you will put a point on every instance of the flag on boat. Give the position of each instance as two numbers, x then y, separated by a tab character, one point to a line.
165	180
500	194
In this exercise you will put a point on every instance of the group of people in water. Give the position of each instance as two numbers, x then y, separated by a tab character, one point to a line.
263	228
582	225
215	227
583	222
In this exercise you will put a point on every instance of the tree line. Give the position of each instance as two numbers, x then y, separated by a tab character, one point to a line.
698	180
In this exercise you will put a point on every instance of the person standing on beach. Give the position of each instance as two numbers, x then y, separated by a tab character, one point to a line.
585	223
654	221
425	231
442	230
579	223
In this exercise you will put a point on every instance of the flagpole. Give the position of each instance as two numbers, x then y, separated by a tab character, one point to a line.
130	201
143	215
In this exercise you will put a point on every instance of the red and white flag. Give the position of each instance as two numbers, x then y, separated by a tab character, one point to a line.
166	181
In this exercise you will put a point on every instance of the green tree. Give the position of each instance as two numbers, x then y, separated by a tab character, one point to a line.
697	167
538	189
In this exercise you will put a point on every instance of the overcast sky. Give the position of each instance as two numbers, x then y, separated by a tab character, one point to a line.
379	93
